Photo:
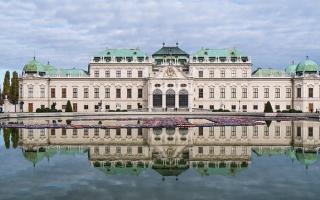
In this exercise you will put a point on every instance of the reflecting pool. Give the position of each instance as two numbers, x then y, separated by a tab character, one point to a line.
275	160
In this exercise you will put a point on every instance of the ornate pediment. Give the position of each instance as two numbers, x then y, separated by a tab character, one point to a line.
170	72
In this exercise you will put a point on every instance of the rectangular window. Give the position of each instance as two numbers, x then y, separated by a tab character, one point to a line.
96	92
30	91
244	131
288	107
107	92
298	131
129	150
200	150
200	74
118	74
255	93
75	92
288	92
298	92
118	150
266	92
244	93
140	74
118	93
107	73
211	92
139	150
233	73
53	92
211	73
222	73
244	108
222	93
277	94
244	73
233	131
64	93
211	131
140	93
96	74
288	131
266	131
129	93
233	108
310	131
85	92
277	132
85	107
222	131
42	92
200	131
129	73
211	107
107	107
222	150
211	150
310	92
277	107
129	107
200	93
233	93
255	131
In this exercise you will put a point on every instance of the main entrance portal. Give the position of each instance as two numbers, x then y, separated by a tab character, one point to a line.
157	98
183	98
170	98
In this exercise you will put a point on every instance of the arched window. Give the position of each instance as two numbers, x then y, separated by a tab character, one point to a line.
157	98
183	98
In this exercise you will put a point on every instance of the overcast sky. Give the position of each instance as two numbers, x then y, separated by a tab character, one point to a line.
67	33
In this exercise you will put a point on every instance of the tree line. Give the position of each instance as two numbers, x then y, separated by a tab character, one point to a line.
10	88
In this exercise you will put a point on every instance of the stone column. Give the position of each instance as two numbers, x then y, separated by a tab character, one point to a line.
176	100
164	102
150	101
190	102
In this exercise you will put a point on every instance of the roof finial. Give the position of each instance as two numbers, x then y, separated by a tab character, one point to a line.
292	62
307	57
163	44
177	43
48	62
34	54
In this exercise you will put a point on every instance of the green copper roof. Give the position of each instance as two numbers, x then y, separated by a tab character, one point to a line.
306	158
206	52
33	66
268	72
307	65
121	53
127	171
168	51
36	67
222	171
291	69
270	151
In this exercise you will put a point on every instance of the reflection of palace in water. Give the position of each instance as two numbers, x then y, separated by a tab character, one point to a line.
171	151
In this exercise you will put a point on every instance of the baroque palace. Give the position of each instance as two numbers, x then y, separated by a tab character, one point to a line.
170	80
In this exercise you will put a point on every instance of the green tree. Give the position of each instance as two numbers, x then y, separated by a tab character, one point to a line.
268	108
6	137
15	137
6	85
1	97
68	106
14	90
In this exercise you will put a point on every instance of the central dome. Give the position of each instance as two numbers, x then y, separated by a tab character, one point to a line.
308	66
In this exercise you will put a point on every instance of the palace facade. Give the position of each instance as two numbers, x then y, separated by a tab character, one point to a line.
170	80
170	151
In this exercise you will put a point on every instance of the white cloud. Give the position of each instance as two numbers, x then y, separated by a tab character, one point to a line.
67	33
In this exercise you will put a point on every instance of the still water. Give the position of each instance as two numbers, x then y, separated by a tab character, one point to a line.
271	161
